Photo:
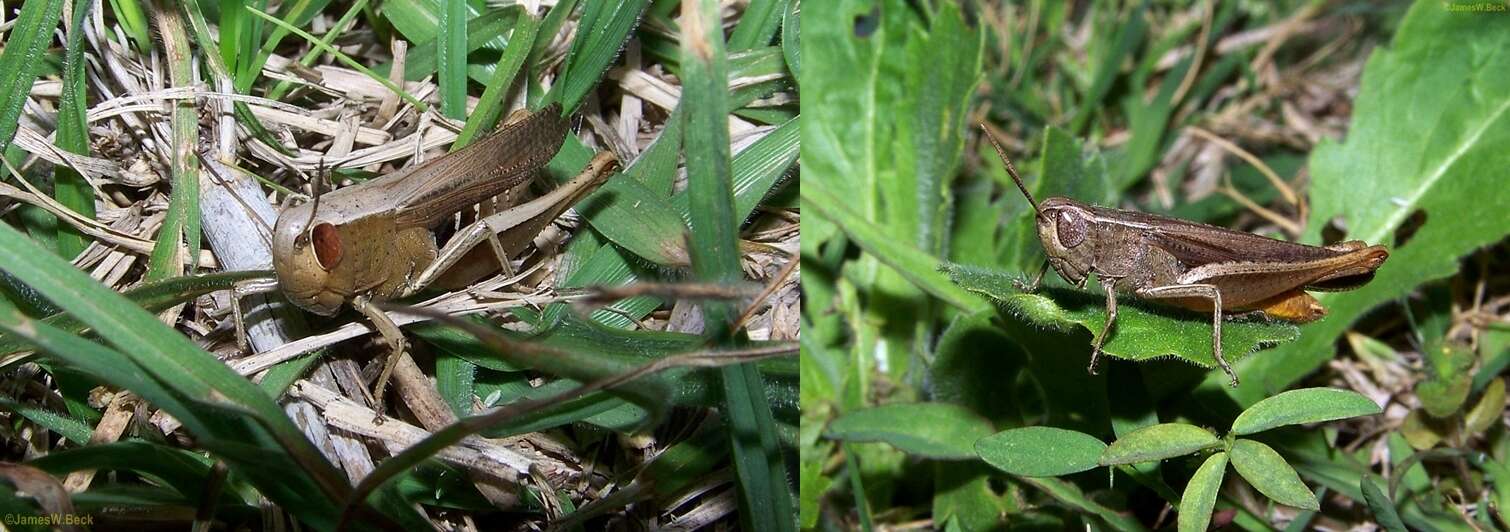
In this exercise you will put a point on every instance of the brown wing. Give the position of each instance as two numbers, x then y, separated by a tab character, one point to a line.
1196	244
479	171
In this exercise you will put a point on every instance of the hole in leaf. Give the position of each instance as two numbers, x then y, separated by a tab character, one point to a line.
1335	230
1409	227
867	24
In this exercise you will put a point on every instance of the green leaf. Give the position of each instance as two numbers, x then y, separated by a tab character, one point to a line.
1379	503
1071	495
1199	498
765	496
1487	412
69	187
1041	451
452	58
177	245
933	430
1158	442
915	265
25	46
1143	331
758	25
1447	381
1429	128
894	85
153	297
601	34
1271	475
1306	405
489	106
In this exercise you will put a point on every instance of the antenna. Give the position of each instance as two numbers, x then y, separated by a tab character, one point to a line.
314	188
221	180
1010	169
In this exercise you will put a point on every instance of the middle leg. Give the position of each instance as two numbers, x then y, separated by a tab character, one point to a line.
1108	284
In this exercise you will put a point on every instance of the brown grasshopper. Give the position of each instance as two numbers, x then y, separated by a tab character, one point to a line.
373	241
1190	265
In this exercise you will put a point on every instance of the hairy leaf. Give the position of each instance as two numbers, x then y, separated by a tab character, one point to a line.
1143	331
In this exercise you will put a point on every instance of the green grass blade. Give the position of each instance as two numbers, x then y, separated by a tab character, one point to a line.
129	14
758	25
21	59
601	34
790	45
178	241
452	56
482	31
292	15
152	297
212	401
335	32
766	499
549	26
344	59
69	187
490	106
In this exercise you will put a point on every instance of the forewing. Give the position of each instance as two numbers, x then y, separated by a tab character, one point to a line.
1195	244
436	190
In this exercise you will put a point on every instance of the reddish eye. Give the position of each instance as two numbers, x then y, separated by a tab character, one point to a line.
327	243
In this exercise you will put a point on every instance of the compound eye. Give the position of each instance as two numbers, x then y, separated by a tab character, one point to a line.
327	242
1071	229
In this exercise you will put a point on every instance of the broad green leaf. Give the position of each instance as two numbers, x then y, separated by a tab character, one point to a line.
1041	451
1306	405
1429	130
1158	442
1199	498
1379	503
891	99
1143	331
933	430
1268	472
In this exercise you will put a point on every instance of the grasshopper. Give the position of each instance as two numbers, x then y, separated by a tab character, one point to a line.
374	241
1189	265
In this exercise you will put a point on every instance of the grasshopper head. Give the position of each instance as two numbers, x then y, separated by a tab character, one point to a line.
1063	225
305	250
